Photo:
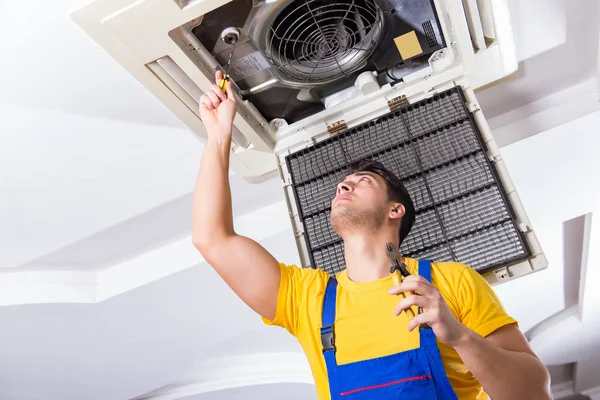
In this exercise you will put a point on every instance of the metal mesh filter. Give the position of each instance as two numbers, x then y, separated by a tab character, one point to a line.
435	148
319	40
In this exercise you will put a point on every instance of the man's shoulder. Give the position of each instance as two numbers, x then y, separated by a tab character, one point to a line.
307	276
439	268
448	267
447	275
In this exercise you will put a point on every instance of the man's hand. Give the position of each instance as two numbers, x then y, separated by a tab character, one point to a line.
502	362
217	109
435	311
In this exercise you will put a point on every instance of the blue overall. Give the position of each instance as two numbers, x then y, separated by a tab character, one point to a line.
416	374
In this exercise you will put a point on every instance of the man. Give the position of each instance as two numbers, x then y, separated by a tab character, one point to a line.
358	341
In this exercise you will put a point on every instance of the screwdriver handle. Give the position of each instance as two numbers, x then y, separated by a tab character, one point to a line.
224	81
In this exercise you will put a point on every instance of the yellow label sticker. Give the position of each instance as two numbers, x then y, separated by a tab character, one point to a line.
408	45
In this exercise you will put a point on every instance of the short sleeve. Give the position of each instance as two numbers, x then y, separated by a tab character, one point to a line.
293	287
480	308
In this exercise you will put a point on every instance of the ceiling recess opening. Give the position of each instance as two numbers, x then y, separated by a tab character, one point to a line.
321	40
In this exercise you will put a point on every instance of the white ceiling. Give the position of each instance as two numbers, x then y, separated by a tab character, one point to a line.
138	341
61	69
557	47
91	144
67	176
94	171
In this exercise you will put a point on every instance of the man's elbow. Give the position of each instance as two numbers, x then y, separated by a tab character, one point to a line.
203	244
208	245
200	242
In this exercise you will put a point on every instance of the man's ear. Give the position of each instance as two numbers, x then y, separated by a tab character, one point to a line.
397	211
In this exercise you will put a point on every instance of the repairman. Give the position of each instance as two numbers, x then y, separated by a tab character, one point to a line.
460	344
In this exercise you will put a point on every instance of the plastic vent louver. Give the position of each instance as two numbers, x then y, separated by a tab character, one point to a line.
436	149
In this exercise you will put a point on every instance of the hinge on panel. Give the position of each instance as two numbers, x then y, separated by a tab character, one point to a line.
473	107
523	227
397	102
493	158
502	274
337	127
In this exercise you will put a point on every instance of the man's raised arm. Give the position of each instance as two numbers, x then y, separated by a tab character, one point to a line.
244	265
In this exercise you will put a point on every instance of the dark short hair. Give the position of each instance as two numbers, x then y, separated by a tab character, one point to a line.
396	191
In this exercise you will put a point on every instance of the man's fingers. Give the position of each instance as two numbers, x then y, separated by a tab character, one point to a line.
213	98
416	321
410	301
217	90
417	278
421	287
206	102
229	89
218	76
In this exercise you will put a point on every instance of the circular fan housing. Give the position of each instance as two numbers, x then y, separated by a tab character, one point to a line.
318	41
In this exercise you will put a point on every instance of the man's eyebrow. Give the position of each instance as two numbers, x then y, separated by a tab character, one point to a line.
360	173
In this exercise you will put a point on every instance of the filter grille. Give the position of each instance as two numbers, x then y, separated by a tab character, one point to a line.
435	148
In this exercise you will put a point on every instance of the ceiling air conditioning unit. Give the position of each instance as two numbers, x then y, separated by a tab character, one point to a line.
324	83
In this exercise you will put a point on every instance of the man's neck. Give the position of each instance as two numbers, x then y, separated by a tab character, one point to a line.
366	258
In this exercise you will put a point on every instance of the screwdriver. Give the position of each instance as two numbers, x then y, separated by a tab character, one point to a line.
230	36
226	77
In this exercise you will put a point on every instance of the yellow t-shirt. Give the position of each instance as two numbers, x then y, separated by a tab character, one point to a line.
366	326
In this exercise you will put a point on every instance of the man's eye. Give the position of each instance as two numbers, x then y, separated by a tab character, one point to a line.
365	179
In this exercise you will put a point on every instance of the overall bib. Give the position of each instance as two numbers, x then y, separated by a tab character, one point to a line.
416	374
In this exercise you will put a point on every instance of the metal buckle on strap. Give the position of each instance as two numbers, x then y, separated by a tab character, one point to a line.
327	338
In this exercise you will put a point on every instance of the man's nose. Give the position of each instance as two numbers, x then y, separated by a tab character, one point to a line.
343	187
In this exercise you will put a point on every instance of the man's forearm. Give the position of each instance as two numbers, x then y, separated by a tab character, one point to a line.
504	374
212	213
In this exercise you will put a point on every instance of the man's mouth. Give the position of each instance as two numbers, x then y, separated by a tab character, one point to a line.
342	197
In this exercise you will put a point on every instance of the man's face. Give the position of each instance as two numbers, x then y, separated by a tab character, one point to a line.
361	203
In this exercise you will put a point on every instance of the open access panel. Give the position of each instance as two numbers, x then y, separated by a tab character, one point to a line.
467	209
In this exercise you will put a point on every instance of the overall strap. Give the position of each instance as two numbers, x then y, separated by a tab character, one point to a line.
328	334
427	337
425	269
328	317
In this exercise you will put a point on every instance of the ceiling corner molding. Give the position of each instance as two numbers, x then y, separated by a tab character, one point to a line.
39	287
178	256
562	390
545	336
147	268
233	372
546	113
593	394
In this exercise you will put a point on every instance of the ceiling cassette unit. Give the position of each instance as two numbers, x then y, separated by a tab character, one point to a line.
324	83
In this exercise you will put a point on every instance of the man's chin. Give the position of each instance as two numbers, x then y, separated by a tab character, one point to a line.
341	218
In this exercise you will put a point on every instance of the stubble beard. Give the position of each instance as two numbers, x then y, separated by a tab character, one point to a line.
351	221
